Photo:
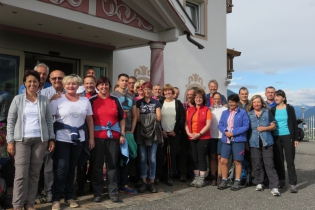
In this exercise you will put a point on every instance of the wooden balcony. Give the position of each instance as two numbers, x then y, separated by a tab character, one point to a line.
231	53
229	6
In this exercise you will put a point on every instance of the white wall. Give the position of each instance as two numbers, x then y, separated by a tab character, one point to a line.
182	58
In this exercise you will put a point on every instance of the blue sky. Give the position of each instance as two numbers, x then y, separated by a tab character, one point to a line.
277	42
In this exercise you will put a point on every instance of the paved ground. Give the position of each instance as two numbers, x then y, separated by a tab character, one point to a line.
181	196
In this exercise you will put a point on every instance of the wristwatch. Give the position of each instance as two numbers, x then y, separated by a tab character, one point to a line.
122	134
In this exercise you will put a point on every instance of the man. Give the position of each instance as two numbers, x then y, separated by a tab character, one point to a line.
177	92
213	88
243	94
128	103
43	71
52	93
184	143
131	85
91	73
270	95
89	91
157	92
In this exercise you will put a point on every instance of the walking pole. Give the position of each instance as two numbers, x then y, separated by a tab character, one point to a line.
169	163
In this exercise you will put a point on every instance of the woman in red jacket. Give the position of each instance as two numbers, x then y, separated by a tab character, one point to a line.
198	121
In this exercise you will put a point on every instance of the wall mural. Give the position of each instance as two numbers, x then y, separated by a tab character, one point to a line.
142	72
195	82
117	11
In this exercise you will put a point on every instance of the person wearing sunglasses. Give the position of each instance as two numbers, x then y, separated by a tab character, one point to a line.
52	93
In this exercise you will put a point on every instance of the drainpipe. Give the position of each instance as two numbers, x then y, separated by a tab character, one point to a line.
200	47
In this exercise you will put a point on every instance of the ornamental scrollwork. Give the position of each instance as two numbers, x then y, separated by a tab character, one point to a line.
194	78
115	9
142	71
74	3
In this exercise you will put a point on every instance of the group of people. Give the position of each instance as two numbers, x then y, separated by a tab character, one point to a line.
140	131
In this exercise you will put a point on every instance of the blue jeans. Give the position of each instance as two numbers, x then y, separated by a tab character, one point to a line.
148	151
65	157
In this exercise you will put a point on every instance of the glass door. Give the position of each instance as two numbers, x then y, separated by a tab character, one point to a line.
101	69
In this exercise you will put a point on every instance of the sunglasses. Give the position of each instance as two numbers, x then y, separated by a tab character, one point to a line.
55	78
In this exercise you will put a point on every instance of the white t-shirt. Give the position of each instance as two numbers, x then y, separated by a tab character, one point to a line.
216	115
168	113
31	120
70	113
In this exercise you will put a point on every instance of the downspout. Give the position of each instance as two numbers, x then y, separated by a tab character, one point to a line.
193	41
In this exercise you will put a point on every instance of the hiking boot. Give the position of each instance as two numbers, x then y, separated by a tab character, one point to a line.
72	203
259	187
28	207
219	180
223	184
236	186
128	190
152	188
193	183
293	189
97	199
275	192
49	198
281	184
169	181
214	180
200	182
56	205
183	178
143	188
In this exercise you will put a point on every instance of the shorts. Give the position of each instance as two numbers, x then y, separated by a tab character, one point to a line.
219	147
237	148
213	146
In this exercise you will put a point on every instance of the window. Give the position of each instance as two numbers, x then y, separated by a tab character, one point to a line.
196	12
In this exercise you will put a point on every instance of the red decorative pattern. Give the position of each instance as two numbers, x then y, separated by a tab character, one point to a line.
117	11
77	5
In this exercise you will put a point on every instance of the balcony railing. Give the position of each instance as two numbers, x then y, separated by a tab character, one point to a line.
229	6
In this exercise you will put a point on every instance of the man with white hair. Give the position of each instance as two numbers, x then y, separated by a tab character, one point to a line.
43	71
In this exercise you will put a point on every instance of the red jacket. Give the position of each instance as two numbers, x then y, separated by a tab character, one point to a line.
202	121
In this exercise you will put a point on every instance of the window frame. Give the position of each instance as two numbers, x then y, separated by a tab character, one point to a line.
201	27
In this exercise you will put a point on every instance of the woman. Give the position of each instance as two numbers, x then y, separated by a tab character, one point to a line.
29	134
262	122
233	125
198	122
138	89
286	138
109	132
70	112
149	134
215	143
173	121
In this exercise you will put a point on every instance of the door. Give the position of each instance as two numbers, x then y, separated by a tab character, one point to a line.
101	69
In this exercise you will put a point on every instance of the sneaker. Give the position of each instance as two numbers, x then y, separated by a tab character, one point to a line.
143	188
152	188
200	182
293	189
56	205
259	187
281	184
236	186
275	192
72	203
223	184
28	207
193	183
183	178
128	190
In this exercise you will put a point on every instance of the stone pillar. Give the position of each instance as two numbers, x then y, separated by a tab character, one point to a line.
157	63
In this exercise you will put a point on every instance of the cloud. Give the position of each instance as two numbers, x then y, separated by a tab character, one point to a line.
296	97
237	86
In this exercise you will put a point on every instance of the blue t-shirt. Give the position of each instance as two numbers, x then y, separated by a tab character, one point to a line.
281	117
271	105
148	107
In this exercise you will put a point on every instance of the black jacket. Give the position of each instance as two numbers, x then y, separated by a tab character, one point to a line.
180	116
292	124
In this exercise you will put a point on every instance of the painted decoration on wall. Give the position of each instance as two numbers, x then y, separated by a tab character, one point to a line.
77	5
195	82
143	73
117	11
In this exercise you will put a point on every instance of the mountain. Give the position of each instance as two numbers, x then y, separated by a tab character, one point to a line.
230	92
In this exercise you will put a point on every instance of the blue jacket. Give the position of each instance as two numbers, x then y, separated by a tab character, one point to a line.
223	100
265	136
46	85
241	125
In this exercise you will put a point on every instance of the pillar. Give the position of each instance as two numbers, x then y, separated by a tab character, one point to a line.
157	63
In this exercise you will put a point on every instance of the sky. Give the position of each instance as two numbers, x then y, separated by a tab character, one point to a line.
277	41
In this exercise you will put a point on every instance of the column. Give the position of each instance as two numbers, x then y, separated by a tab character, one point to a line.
157	63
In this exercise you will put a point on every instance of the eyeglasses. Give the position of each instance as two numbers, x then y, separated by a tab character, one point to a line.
55	78
139	87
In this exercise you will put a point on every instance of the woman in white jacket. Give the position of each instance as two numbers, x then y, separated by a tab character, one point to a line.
215	143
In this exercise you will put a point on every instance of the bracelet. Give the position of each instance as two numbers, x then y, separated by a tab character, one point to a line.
200	134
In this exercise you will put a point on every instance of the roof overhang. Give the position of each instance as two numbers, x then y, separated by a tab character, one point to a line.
167	17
